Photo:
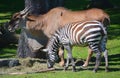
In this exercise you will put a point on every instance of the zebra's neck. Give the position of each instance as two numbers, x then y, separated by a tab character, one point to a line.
53	44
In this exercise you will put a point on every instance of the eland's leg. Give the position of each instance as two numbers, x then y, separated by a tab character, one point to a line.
61	55
90	53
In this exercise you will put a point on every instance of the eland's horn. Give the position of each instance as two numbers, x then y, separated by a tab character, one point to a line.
26	10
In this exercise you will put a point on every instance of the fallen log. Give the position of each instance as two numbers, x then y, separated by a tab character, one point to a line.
40	71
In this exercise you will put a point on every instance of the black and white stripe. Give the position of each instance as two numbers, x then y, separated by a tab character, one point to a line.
91	33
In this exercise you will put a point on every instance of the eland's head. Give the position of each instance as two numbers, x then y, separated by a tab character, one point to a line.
18	20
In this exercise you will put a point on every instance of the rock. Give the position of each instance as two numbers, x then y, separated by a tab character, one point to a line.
4	62
13	63
9	62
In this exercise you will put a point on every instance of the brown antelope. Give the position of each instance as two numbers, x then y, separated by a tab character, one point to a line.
47	24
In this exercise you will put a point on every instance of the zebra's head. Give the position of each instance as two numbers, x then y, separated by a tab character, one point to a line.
51	57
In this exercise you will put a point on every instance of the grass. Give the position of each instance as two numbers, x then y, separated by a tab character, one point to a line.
113	44
68	74
8	52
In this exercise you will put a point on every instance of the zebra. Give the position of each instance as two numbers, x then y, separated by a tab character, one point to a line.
91	33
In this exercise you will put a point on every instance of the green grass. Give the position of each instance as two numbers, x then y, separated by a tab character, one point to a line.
68	74
4	17
113	44
8	52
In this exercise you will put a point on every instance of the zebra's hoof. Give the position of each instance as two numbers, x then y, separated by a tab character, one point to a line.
95	71
65	68
106	70
74	69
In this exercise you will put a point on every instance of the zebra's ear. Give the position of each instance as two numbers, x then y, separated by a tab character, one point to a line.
44	50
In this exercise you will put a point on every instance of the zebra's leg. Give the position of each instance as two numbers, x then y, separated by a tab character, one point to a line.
61	55
96	47
67	64
90	53
98	58
106	60
104	50
69	57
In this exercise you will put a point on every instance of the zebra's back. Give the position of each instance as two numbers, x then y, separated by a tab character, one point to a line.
82	33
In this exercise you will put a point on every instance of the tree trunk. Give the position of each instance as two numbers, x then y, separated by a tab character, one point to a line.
24	45
103	4
37	6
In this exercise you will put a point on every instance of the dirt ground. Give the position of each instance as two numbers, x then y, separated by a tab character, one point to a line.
30	65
